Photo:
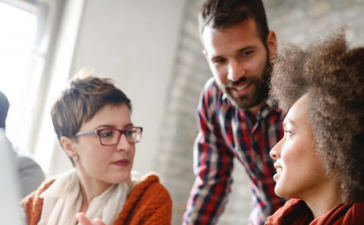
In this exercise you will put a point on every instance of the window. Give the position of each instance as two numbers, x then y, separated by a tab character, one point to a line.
17	68
25	36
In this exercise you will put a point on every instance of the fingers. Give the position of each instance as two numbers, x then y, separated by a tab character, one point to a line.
99	222
82	219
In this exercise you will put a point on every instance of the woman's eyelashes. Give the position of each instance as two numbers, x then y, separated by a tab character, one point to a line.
287	133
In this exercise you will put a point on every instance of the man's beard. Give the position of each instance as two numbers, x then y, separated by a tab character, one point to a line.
256	96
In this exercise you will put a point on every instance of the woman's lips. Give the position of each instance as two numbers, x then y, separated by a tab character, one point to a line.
275	177
279	171
122	163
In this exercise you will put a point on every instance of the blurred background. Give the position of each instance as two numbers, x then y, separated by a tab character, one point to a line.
151	49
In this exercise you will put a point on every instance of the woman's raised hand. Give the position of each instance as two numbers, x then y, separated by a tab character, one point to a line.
82	219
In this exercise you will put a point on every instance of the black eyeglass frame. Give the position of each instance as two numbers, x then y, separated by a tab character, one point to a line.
121	132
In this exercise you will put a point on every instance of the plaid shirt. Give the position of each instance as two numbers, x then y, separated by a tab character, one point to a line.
226	132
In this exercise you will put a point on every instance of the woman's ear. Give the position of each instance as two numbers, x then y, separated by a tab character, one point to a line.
272	44
67	144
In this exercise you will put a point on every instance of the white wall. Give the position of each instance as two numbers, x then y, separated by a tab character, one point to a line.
134	43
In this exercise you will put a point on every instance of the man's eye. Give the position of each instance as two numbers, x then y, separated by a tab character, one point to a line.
219	61
246	53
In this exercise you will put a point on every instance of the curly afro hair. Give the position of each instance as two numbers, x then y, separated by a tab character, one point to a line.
332	76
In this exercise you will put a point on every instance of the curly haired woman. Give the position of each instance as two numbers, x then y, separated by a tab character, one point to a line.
320	160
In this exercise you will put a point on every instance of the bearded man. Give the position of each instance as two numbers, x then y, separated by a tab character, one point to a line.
236	116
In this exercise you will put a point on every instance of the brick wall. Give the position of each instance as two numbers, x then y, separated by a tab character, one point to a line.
174	162
298	21
293	20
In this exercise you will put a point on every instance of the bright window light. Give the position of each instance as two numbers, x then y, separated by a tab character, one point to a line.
18	32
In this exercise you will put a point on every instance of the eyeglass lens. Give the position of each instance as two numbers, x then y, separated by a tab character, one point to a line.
112	136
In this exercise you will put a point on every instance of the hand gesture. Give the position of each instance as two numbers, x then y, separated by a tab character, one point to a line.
82	219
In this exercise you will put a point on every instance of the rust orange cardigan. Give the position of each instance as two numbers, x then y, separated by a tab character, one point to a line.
296	212
148	203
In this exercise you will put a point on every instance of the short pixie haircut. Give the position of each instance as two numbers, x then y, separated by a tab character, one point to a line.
81	100
332	76
222	14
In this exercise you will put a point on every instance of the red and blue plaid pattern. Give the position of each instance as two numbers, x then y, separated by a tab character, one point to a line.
225	133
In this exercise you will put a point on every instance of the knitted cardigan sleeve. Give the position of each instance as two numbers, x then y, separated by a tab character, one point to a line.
149	203
33	204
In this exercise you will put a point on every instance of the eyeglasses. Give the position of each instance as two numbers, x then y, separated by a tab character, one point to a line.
111	136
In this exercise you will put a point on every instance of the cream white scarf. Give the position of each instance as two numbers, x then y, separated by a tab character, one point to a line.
63	199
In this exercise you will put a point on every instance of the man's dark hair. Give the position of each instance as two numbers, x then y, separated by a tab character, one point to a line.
4	108
222	14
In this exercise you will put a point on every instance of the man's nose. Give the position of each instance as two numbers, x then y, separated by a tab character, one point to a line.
235	71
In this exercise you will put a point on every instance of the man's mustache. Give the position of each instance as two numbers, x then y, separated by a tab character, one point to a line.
231	84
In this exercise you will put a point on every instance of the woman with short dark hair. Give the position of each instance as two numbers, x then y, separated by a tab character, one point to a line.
92	119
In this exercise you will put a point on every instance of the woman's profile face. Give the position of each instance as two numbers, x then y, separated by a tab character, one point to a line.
300	171
107	164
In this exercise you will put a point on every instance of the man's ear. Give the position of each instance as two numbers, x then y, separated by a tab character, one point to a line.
272	44
204	52
67	145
